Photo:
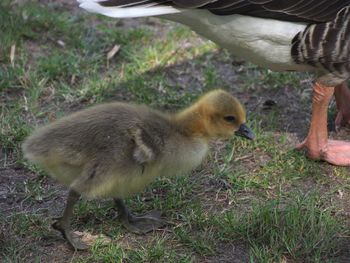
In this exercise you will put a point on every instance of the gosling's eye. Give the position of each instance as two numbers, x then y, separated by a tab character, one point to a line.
229	118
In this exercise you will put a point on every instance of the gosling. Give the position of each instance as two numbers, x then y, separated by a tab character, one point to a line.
114	150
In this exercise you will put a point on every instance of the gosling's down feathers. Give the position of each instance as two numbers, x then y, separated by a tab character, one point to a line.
115	149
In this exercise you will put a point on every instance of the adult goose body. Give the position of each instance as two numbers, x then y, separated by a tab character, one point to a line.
293	35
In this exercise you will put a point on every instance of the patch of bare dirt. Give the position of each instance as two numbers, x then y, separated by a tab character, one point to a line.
229	253
16	198
17	192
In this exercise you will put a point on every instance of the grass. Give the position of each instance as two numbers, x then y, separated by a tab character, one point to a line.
259	201
298	228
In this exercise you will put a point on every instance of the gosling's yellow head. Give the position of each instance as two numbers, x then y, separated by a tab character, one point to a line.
221	115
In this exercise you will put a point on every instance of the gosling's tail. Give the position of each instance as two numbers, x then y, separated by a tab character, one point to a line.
128	8
33	150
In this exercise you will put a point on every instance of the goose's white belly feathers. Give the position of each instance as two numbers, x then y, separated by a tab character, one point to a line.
265	42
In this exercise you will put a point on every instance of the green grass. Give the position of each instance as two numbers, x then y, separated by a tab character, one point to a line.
156	251
300	228
262	196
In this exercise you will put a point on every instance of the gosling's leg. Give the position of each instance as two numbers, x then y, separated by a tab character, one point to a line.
62	224
318	146
138	224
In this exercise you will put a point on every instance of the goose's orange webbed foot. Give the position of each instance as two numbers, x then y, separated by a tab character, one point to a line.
317	144
334	151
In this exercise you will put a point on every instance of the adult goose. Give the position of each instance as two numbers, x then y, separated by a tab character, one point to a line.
283	35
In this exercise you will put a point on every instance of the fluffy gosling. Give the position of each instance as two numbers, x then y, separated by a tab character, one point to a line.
116	149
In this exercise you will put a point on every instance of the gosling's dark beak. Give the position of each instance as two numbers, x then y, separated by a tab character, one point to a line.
245	132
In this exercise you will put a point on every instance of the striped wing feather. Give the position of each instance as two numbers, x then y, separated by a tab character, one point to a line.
289	10
326	45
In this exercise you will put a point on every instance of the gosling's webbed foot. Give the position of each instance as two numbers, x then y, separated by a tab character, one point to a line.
72	238
139	224
143	224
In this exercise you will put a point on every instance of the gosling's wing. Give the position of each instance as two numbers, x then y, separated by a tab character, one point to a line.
287	10
147	145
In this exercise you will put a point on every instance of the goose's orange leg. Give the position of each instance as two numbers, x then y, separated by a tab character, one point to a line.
342	97
317	144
